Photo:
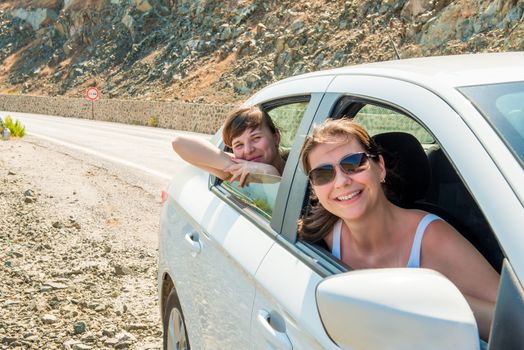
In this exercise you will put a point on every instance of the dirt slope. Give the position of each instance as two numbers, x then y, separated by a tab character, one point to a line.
221	51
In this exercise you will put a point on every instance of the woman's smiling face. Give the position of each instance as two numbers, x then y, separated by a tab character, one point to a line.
347	196
257	145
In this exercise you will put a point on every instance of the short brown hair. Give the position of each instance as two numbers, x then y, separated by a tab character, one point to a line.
244	119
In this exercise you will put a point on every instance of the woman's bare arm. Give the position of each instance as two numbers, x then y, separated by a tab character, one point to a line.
203	154
447	251
210	158
483	311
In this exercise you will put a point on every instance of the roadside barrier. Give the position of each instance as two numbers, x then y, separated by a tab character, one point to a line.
197	117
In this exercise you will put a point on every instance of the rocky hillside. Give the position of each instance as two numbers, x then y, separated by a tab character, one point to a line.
220	51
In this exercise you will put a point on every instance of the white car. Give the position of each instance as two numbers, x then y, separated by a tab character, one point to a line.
233	275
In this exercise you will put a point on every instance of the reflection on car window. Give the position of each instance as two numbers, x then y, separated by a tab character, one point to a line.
260	196
503	107
377	120
261	193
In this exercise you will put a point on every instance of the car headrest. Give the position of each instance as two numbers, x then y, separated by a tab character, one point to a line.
408	171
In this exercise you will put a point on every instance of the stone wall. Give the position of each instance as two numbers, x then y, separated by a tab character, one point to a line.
197	117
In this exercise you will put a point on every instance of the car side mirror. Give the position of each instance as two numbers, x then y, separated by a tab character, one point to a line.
408	309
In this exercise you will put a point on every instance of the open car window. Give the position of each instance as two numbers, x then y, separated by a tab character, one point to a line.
287	118
428	179
261	192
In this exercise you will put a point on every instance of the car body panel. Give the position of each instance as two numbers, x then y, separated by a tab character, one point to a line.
430	72
293	301
231	251
289	88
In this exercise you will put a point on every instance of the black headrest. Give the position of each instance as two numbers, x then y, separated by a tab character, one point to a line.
408	171
441	168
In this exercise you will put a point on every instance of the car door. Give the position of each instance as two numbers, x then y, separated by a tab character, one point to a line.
229	231
213	252
471	186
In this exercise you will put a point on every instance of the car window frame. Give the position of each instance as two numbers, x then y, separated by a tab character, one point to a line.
318	260
273	226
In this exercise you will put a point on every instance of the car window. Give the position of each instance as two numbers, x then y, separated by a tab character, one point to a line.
428	180
262	190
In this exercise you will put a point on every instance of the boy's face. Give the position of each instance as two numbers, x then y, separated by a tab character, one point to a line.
257	145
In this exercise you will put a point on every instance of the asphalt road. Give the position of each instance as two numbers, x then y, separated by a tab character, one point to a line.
144	148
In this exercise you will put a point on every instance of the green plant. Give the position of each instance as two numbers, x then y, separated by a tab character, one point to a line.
16	128
153	121
263	205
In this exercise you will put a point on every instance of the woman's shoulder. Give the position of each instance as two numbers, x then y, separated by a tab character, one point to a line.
440	238
411	216
434	228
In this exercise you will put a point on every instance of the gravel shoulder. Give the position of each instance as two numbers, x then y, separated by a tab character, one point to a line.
78	251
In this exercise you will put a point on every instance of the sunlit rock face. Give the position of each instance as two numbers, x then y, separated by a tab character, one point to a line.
221	51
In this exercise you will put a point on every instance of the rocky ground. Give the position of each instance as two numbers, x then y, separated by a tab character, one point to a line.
77	266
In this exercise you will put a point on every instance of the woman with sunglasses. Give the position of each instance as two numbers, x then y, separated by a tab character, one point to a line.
253	139
364	229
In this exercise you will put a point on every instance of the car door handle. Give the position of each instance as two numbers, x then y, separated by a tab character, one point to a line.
194	241
277	339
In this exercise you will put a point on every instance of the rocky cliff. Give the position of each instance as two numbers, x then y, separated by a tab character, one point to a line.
220	51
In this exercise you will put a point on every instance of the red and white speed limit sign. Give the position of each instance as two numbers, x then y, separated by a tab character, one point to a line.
92	93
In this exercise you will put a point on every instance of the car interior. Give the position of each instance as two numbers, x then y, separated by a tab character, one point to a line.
422	177
430	183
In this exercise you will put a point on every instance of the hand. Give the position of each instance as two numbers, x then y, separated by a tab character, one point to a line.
241	169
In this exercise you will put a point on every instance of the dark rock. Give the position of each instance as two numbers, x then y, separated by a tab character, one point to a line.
120	270
8	340
79	327
58	224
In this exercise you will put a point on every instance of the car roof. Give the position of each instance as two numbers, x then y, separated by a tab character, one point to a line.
449	71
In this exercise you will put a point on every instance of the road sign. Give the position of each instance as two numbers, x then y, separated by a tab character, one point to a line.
92	93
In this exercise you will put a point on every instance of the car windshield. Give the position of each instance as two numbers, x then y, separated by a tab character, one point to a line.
503	106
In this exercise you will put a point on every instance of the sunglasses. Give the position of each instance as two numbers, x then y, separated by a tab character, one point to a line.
349	164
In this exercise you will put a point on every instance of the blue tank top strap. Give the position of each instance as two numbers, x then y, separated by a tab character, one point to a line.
414	256
335	247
